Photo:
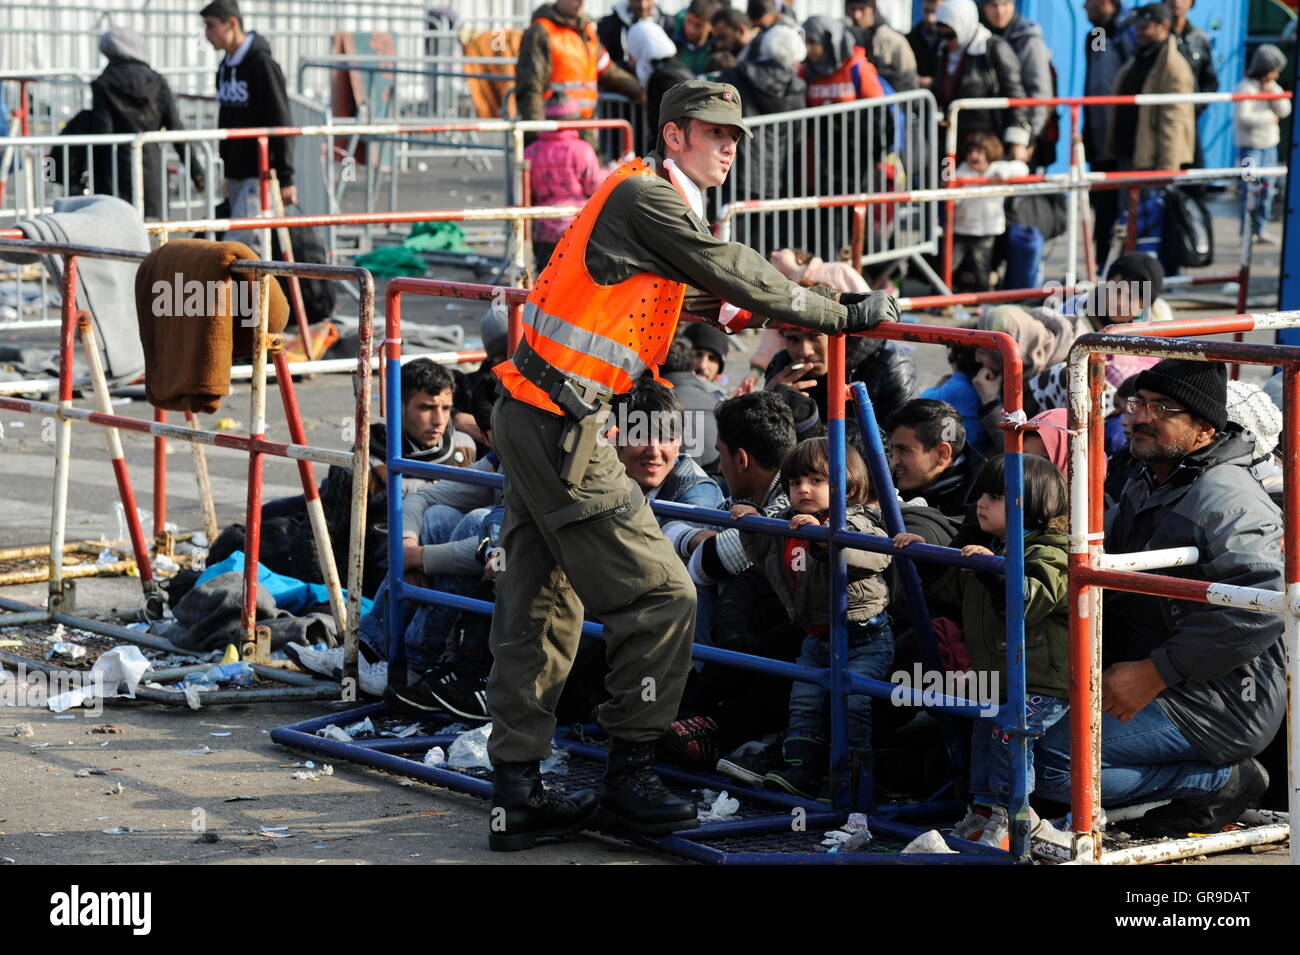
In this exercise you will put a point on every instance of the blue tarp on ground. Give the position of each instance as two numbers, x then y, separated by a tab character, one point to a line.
290	593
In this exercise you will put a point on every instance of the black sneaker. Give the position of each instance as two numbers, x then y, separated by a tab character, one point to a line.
750	770
416	699
804	770
463	696
1244	788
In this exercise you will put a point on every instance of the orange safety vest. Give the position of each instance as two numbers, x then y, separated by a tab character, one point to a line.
576	60
856	79
601	335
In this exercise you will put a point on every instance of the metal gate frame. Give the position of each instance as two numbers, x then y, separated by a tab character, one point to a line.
256	640
836	678
1093	570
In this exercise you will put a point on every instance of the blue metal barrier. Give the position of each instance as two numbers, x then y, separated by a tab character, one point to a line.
772	828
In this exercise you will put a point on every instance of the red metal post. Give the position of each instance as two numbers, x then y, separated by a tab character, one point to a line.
1131	234
264	175
951	207
514	326
159	480
293	417
24	109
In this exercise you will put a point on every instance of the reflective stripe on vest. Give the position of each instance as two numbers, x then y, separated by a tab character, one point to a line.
602	335
576	60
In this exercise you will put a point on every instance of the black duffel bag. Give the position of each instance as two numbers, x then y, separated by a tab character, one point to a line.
1188	239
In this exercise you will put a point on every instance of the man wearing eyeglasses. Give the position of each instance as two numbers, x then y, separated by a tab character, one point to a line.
1191	692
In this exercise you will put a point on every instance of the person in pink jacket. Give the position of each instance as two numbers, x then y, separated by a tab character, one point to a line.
564	171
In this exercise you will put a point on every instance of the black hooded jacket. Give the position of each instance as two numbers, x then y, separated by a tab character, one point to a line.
886	368
251	92
129	97
765	87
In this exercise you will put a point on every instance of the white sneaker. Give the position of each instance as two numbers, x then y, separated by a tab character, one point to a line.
374	676
971	824
1051	844
996	831
326	662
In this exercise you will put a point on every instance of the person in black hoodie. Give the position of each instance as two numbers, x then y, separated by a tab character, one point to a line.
129	97
251	92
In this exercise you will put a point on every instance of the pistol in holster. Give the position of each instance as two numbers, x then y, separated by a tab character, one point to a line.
585	415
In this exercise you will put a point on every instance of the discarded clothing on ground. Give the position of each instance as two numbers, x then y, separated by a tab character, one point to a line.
208	618
289	593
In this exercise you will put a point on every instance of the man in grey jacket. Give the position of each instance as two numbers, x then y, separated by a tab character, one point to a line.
1192	692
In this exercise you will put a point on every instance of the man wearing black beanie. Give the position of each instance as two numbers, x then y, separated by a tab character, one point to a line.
1191	692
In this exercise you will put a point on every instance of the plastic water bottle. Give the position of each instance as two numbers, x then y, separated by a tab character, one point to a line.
234	674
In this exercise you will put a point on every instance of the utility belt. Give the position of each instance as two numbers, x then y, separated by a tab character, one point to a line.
585	407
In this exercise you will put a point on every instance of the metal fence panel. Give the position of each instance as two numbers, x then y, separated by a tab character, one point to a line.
872	145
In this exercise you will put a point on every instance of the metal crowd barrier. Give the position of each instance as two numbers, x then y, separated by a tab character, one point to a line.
413	77
68	33
775	815
1092	570
31	297
1028	185
256	640
870	146
1079	213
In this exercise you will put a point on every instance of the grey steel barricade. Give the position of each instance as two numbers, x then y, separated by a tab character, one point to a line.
875	145
66	34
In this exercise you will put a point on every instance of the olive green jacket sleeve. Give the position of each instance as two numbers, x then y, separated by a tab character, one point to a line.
646	226
532	72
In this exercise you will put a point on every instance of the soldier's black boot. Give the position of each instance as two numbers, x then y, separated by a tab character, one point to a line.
632	793
523	810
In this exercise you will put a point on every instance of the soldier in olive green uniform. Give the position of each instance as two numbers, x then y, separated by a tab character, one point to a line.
593	544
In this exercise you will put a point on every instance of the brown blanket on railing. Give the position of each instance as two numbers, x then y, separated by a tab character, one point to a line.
195	321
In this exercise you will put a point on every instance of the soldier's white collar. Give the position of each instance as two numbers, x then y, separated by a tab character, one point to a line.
686	186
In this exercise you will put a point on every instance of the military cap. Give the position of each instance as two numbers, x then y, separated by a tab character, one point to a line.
708	102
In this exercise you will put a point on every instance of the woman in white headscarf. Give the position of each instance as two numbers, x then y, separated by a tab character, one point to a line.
647	45
653	57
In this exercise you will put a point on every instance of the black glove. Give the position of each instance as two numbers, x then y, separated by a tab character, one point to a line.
866	311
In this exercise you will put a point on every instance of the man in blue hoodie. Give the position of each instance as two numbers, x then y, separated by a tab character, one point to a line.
251	92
